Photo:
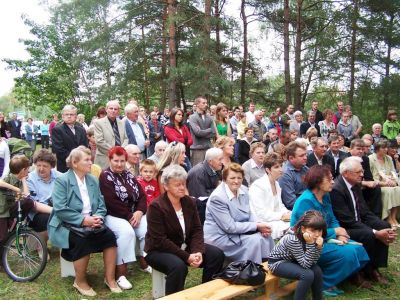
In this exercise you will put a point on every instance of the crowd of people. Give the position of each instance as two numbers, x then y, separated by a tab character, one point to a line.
197	188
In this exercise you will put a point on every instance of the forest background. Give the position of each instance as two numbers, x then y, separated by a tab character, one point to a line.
166	52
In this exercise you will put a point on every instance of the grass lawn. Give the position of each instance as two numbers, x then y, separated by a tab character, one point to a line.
51	286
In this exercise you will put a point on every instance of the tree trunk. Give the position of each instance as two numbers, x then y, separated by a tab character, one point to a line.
145	70
297	56
172	53
286	51
245	54
163	100
206	54
353	51
218	45
387	65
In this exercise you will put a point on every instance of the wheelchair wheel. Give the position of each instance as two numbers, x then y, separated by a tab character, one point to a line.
25	256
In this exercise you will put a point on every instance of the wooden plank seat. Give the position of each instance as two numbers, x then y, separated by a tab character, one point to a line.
219	289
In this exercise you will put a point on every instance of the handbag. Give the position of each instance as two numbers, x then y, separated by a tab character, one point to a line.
243	272
85	232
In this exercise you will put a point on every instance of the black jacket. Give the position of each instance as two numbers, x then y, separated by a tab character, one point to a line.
326	160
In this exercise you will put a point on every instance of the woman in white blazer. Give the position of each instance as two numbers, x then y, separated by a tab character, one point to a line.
265	197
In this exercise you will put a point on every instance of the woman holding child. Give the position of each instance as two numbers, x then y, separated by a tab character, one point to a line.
79	205
126	206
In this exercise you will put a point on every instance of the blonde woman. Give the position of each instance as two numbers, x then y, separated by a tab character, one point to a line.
227	145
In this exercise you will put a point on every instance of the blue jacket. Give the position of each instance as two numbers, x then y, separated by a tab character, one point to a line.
67	206
31	134
131	135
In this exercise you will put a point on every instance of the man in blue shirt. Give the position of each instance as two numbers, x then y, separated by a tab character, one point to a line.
291	181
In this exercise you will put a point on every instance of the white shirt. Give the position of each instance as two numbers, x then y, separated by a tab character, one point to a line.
249	117
181	219
137	131
349	186
5	154
230	194
87	209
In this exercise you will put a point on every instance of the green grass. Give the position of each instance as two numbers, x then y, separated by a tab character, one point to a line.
51	286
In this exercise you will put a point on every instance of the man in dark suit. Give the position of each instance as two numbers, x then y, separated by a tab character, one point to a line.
319	156
14	126
334	152
370	188
360	223
135	130
67	136
310	123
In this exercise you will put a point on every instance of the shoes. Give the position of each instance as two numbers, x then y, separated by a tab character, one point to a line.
89	293
329	293
338	291
116	290
359	281
148	269
123	283
378	277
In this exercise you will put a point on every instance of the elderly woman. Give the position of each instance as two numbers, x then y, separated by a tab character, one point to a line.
40	184
227	145
298	120
253	168
78	205
265	197
174	238
334	257
230	225
126	205
383	171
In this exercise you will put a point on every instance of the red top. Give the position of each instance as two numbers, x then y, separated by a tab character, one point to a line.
150	188
172	134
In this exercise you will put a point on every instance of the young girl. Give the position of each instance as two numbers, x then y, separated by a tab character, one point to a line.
296	255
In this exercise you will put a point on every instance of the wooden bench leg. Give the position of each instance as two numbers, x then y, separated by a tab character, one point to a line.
271	289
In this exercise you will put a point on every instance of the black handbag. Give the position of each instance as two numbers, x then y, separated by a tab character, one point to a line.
85	232
243	272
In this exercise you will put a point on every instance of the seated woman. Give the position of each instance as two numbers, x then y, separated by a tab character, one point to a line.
230	225
382	169
40	184
174	154
244	145
78	202
126	206
265	197
227	145
334	257
174	238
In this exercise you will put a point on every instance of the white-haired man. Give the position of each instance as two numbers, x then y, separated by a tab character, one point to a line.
377	133
108	132
360	223
135	131
67	136
159	149
204	177
258	126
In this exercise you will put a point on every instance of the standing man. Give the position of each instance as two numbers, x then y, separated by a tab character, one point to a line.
67	136
135	130
360	223
258	126
291	181
318	114
156	132
14	125
234	122
202	129
338	115
250	114
108	132
287	117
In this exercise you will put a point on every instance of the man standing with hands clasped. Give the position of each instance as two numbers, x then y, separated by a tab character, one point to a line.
360	223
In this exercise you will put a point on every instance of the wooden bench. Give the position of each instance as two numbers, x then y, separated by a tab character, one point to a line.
219	289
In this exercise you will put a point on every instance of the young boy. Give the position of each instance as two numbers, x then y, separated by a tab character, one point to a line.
148	172
13	187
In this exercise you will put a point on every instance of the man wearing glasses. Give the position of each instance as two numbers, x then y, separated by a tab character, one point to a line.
67	136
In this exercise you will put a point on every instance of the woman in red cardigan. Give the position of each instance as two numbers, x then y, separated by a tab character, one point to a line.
177	130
